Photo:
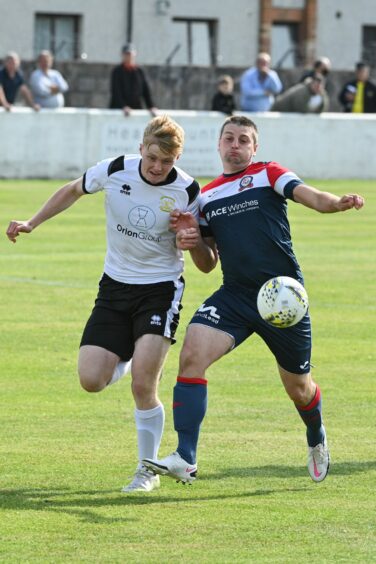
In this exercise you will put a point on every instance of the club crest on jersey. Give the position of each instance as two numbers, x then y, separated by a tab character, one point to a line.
126	189
167	204
246	182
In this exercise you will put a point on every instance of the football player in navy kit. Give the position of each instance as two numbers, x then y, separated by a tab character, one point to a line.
136	312
243	221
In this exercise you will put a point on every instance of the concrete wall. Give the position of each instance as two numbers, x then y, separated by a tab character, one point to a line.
63	143
339	30
103	25
104	28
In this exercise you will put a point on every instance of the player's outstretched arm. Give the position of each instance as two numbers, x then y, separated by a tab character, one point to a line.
325	202
60	201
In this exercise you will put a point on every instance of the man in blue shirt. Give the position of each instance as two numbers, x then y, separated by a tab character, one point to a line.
12	81
243	221
259	85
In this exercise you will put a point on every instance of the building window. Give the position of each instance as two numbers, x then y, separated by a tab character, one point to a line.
284	51
369	45
197	41
59	34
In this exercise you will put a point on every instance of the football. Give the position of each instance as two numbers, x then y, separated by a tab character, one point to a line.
282	301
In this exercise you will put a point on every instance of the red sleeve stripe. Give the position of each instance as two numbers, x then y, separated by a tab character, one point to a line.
183	380
214	184
274	171
314	402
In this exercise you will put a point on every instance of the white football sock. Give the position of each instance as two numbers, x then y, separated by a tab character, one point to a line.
149	425
121	369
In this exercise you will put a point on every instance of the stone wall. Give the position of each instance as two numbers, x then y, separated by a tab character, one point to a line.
175	88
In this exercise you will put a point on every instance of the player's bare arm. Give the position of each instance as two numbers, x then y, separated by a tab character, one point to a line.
205	254
188	237
60	201
182	220
325	202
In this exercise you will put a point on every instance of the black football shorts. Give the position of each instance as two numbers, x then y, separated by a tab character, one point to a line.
124	312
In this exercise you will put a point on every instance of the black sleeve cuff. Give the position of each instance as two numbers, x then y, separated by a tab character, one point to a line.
290	187
84	184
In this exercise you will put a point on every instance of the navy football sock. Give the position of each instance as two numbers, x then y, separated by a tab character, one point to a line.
312	417
190	402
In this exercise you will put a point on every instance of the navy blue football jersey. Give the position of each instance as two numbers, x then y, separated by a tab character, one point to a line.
246	213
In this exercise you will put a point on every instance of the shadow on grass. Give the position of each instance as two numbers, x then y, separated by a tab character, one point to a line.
274	471
84	503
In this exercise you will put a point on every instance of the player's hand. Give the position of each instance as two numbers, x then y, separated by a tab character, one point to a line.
187	239
350	201
17	227
182	220
127	111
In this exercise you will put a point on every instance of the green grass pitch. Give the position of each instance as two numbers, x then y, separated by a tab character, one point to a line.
65	453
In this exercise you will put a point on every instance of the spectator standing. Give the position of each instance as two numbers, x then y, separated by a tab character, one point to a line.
321	66
223	100
259	85
47	84
307	97
129	87
12	81
359	95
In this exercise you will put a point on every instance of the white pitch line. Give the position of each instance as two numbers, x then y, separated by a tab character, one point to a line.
40	282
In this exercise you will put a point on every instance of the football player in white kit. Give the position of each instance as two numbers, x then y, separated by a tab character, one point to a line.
136	312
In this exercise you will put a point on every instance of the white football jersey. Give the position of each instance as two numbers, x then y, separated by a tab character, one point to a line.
140	247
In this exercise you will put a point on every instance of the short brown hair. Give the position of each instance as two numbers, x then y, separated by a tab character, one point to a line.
241	121
166	133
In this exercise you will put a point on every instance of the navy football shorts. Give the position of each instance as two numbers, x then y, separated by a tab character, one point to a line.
234	312
124	312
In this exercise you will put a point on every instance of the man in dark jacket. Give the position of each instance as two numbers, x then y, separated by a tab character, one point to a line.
359	95
12	81
223	100
129	87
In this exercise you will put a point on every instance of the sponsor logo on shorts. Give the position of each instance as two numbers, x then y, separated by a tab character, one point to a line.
156	320
209	313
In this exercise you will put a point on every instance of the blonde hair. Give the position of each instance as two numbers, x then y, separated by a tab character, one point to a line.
166	133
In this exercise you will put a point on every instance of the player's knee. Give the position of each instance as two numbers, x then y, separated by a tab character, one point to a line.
142	390
189	358
300	394
91	382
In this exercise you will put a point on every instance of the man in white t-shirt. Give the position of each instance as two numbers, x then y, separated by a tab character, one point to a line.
47	84
136	312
